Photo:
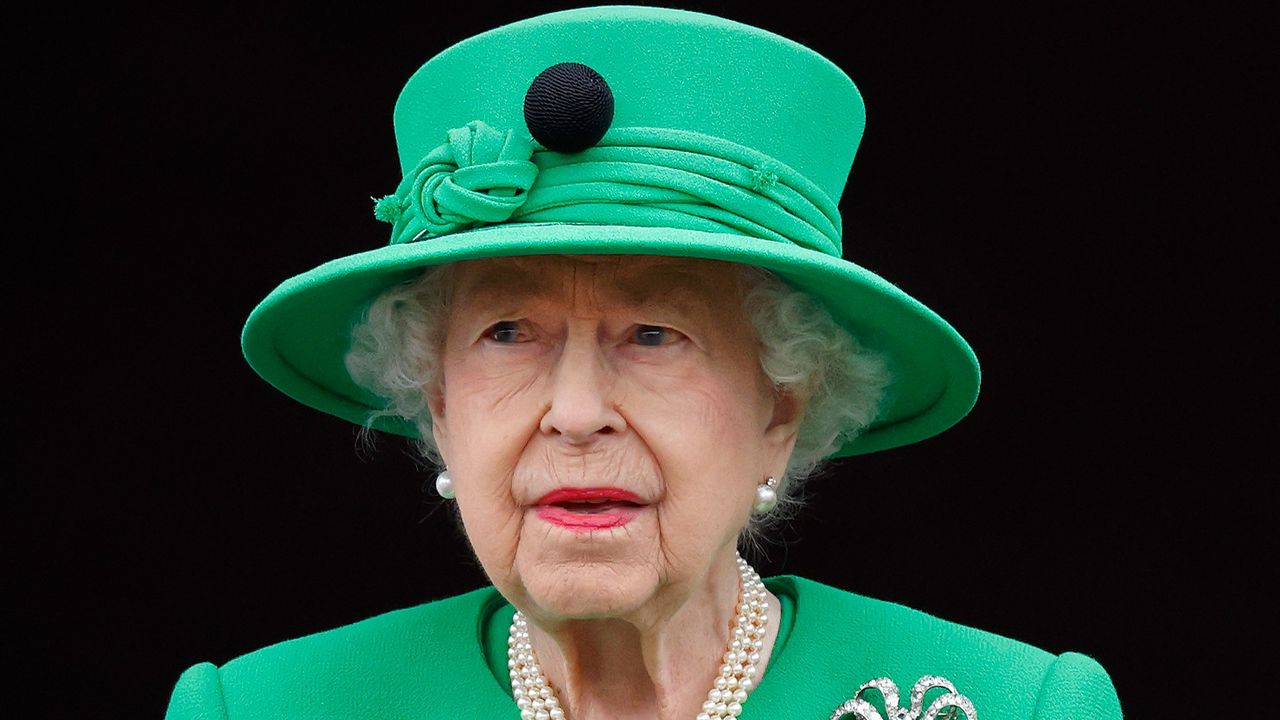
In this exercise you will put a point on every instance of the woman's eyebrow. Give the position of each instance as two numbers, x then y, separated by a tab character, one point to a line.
678	297
504	284
664	286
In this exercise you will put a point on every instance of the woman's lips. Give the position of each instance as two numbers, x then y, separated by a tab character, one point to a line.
575	494
589	508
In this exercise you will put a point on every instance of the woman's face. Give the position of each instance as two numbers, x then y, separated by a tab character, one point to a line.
630	378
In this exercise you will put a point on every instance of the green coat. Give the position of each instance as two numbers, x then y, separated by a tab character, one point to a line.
426	662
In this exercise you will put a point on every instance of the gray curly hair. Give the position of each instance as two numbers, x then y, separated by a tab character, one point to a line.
395	353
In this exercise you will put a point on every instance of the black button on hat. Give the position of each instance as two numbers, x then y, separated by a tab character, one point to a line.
568	107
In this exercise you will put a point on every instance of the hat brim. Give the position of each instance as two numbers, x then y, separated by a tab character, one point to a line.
298	336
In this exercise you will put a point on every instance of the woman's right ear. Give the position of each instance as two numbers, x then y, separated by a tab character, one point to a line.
435	405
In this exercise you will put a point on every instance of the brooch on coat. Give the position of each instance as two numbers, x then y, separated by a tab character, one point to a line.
947	706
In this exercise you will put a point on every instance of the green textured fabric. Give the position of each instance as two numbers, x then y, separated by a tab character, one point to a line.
728	142
448	659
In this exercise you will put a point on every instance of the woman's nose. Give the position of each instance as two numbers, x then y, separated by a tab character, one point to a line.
583	391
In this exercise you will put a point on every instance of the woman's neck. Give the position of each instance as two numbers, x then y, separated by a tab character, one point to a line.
658	662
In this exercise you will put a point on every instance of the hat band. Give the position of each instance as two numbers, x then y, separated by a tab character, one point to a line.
656	177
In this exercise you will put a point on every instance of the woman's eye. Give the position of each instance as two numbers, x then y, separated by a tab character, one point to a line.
654	335
505	332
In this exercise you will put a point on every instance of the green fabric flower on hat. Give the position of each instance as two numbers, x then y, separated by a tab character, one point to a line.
480	175
388	208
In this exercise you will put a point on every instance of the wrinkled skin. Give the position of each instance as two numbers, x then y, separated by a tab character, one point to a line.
626	371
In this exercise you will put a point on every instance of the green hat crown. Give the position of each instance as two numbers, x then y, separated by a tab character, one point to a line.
766	157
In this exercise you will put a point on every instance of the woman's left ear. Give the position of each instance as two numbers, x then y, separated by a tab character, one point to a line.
784	426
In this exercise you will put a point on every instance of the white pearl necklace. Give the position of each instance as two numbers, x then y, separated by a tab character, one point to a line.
537	701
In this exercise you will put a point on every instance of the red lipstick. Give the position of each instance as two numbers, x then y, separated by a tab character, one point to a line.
585	509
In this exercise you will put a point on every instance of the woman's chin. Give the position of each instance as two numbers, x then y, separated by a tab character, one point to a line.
566	580
605	596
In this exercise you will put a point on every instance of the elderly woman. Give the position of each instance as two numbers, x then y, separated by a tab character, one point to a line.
615	315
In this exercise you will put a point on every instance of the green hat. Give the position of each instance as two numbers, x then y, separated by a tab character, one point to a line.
611	130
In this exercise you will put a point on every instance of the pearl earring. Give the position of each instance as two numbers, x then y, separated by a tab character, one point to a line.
766	496
444	485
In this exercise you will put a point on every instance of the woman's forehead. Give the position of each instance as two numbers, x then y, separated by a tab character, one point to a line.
628	279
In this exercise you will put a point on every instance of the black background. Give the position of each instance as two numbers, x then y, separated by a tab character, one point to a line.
1075	190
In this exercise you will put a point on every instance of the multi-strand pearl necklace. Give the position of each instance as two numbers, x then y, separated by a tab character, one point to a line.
537	701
